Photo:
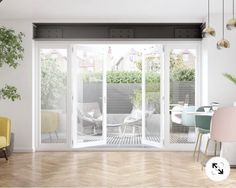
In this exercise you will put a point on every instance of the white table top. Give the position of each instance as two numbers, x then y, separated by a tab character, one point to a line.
200	113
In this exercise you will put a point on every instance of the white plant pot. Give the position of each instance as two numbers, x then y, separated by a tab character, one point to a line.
234	103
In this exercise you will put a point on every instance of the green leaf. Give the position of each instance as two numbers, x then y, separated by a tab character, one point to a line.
11	54
11	50
230	77
9	92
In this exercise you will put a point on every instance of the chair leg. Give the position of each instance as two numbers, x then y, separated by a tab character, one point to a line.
122	135
120	131
195	149
215	148
56	135
124	131
133	131
5	154
50	136
199	146
94	130
220	147
207	145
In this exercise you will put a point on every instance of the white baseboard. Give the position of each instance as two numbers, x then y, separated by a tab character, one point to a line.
25	150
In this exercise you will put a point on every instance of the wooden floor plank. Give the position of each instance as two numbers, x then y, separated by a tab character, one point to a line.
106	169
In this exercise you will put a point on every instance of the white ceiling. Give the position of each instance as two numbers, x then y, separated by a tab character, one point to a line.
108	10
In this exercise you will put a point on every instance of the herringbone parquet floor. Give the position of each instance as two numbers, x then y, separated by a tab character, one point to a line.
106	169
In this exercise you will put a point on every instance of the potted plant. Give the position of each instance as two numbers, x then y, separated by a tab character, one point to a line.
232	78
11	54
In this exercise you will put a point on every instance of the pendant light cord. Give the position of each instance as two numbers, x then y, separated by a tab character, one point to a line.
223	18
233	10
208	13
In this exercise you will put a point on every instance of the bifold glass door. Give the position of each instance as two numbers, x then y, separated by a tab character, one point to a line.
53	109
117	95
183	94
89	95
152	96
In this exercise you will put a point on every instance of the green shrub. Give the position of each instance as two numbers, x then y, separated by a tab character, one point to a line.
124	77
117	77
183	74
152	77
152	95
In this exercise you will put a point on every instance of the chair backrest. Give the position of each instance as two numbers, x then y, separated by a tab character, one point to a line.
224	125
5	129
49	121
89	110
136	113
188	119
203	122
176	114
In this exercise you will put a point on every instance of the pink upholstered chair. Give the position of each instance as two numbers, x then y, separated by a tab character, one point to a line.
223	128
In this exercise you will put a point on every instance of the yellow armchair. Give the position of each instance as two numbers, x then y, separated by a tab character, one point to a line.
5	134
49	122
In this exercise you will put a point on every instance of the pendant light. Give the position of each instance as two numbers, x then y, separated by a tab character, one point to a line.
232	22
208	31
223	43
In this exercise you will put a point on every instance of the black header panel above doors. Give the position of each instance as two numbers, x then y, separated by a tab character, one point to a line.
117	30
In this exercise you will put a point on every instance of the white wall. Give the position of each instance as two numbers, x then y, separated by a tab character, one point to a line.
20	112
220	61
215	86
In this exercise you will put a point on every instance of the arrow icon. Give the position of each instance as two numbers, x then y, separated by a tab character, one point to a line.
221	171
214	165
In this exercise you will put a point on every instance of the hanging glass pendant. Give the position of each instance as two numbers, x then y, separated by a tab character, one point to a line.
208	31
231	24
223	43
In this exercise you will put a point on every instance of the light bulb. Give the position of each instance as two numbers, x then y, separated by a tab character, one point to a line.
223	43
231	24
209	32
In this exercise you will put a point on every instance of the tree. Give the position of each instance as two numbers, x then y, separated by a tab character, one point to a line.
53	83
11	54
178	70
176	61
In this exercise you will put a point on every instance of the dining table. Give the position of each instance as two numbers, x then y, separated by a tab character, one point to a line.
210	113
228	150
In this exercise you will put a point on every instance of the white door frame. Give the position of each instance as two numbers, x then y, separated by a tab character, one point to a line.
103	141
68	45
51	146
161	99
180	45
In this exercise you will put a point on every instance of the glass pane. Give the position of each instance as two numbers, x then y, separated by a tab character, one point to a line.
152	96
124	94
53	64
182	95
88	88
